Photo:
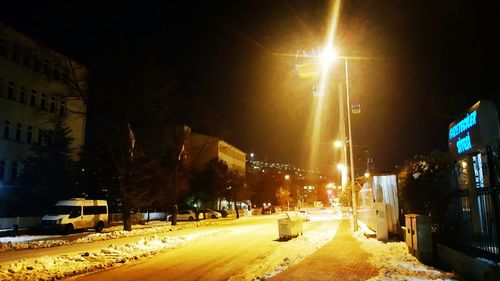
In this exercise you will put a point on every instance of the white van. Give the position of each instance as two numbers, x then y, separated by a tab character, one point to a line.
76	213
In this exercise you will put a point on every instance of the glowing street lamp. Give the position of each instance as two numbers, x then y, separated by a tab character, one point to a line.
337	144
287	179
328	56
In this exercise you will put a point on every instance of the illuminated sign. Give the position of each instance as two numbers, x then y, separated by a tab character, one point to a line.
476	130
464	144
463	125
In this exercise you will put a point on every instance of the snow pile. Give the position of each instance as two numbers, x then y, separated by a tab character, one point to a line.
13	246
57	267
288	253
23	243
395	262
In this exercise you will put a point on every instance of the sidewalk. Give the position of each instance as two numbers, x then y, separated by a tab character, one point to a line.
340	259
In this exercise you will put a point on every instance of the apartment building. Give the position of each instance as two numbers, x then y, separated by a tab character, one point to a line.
36	85
204	148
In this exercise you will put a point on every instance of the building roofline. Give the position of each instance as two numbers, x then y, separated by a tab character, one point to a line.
37	44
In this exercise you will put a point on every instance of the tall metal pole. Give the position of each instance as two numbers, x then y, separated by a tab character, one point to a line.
354	205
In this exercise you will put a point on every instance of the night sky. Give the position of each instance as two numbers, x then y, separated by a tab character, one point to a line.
427	63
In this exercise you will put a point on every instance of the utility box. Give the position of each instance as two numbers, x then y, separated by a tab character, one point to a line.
419	236
290	226
382	228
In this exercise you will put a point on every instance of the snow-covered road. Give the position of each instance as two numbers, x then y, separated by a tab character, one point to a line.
237	252
244	249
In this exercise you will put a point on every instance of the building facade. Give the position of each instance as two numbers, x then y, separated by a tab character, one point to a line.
37	84
202	148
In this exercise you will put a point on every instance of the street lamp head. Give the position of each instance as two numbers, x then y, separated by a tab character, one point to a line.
251	155
328	56
287	177
337	144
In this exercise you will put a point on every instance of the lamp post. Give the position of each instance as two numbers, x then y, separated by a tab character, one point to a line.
354	197
287	180
341	144
327	57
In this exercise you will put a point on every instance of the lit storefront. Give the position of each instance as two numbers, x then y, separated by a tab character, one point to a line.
473	142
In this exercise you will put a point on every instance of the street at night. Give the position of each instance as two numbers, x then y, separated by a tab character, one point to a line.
249	140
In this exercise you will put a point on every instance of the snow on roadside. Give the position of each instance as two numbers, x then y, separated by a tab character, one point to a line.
62	266
288	253
395	262
23	243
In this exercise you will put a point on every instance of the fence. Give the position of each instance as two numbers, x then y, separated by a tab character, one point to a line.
478	222
29	222
138	217
22	222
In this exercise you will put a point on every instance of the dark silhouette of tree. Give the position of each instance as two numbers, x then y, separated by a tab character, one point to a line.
282	197
236	190
49	170
264	187
136	95
425	186
211	183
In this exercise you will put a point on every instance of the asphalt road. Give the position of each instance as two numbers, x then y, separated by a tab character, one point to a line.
216	257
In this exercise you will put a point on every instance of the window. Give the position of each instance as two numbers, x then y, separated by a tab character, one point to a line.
33	98
40	136
10	90
94	210
43	102
22	95
55	72
27	57
52	104
62	108
2	169
19	128
15	54
45	67
29	135
6	130
37	64
3	48
13	175
65	76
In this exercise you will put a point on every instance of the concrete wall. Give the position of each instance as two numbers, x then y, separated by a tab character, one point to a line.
467	267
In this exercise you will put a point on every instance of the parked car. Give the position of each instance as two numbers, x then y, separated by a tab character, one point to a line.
304	215
186	215
223	213
211	214
268	210
76	213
